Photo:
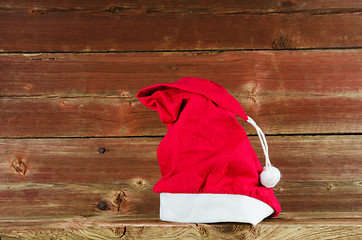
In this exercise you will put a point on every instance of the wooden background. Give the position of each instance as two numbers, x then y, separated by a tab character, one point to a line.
69	74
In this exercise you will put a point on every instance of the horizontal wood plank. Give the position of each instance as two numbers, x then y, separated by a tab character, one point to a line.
69	117
71	160
188	6
52	95
127	198
134	197
41	26
308	226
68	177
242	73
61	117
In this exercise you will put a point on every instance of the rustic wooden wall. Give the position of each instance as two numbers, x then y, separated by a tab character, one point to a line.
78	151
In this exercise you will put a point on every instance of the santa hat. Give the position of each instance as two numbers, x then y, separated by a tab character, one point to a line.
210	172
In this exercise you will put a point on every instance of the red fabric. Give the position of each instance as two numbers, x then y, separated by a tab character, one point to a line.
205	149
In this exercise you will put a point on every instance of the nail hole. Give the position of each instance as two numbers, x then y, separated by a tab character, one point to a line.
331	186
101	150
63	103
102	205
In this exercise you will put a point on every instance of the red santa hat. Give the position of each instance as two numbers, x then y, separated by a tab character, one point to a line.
210	172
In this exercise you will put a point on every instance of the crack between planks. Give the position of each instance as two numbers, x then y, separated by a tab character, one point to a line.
131	98
182	51
120	97
161	136
302	11
132	9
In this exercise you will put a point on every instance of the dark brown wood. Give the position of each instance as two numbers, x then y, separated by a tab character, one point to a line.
187	6
38	26
68	177
52	95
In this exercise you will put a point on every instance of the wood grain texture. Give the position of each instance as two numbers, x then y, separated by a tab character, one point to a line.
59	110
68	177
41	26
189	6
287	226
134	197
308	72
52	95
78	161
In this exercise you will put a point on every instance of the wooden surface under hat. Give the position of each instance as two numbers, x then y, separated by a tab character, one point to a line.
78	151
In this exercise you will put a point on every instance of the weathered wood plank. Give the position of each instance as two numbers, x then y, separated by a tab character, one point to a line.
110	26
245	73
59	117
68	177
83	117
134	197
126	199
300	158
78	160
304	218
188	6
287	226
94	94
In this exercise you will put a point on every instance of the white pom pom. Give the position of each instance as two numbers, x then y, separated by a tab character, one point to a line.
270	178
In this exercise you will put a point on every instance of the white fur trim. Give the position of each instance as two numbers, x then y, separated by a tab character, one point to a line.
211	208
